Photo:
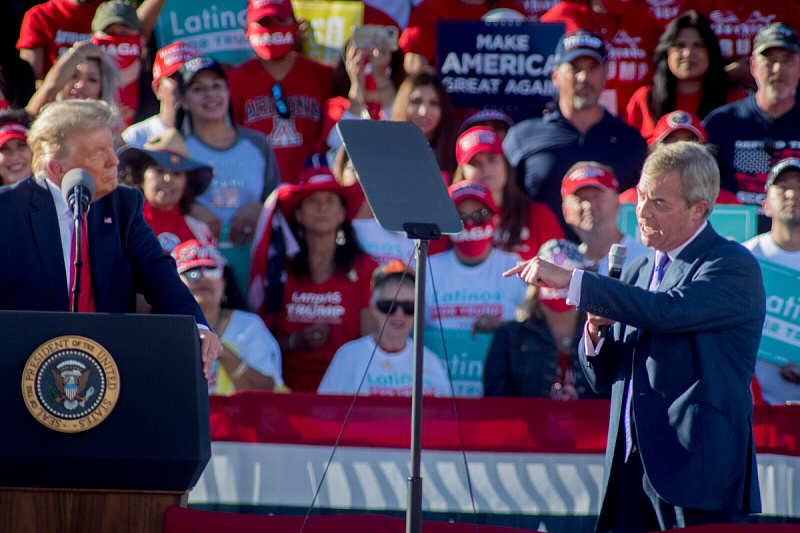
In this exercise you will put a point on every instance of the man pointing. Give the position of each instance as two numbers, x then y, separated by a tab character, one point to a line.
687	324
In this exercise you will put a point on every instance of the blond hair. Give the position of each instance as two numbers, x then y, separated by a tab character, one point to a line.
698	169
58	121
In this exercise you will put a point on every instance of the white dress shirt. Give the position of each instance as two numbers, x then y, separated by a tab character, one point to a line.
575	284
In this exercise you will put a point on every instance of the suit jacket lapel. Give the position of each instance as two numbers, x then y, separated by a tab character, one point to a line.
46	233
102	224
688	255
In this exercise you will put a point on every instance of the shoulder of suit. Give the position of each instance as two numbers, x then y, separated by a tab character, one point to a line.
12	193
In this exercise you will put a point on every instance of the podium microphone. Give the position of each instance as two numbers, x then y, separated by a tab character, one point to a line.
616	258
77	189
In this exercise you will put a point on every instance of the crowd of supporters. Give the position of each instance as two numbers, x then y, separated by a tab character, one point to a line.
248	186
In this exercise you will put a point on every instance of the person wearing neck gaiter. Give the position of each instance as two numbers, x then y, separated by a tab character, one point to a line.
469	301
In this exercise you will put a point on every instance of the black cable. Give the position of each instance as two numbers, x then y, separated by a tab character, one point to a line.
355	396
455	404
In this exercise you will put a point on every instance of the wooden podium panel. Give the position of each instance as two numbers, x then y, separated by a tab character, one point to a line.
99	511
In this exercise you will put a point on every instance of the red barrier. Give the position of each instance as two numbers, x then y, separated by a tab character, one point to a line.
529	425
180	520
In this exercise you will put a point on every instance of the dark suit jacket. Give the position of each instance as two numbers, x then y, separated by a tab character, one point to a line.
691	346
125	256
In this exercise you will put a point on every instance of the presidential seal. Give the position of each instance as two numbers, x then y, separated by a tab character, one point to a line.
70	384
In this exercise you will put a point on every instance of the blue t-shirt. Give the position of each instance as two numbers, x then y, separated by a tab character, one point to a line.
749	143
244	173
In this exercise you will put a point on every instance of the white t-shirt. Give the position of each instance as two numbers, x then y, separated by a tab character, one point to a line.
139	133
256	345
467	292
390	374
383	246
774	388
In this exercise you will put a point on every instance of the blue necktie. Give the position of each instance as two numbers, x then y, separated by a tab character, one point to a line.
662	263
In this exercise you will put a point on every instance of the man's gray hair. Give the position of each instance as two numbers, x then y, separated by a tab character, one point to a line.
698	170
58	121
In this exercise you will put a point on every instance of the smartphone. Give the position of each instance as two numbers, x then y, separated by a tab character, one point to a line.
373	36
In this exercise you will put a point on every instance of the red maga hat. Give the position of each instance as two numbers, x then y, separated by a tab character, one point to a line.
476	140
678	120
588	175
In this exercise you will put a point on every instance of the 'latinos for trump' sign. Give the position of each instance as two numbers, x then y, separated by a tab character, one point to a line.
780	338
506	64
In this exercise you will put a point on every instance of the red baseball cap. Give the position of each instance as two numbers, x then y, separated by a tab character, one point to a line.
470	190
194	254
476	140
585	175
170	58
13	130
258	9
678	120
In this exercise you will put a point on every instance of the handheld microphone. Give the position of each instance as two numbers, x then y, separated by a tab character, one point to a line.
77	189
616	258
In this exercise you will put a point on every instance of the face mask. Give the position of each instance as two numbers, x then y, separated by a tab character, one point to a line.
272	42
555	299
473	240
125	49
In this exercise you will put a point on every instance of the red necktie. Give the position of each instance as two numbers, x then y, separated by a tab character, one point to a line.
86	297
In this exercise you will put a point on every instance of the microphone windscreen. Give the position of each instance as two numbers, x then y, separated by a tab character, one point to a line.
77	177
617	256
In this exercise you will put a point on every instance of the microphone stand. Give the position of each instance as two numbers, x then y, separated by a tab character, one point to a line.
78	259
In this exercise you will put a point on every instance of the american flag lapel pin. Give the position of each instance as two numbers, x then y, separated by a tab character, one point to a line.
107	220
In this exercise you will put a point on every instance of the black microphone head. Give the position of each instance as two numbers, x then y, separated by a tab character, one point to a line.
78	181
617	256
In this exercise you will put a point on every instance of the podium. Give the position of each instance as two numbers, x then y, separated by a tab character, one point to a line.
124	471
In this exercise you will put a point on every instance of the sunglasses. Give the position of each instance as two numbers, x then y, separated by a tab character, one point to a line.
206	272
280	104
385	307
479	217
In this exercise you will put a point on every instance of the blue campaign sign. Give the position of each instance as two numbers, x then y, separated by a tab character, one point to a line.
780	338
735	222
505	65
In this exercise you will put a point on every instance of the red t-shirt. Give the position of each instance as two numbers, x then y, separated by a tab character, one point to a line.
55	26
169	226
305	90
337	302
419	37
541	227
638	115
630	39
736	22
666	10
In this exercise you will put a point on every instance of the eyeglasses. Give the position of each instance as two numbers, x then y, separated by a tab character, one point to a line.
280	104
477	217
213	273
385	307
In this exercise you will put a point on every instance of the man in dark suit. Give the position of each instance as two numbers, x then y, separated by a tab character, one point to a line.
679	359
36	229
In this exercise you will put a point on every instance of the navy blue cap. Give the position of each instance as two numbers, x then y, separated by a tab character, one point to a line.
580	43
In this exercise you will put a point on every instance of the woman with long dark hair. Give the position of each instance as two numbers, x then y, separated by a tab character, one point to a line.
423	100
324	301
689	75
